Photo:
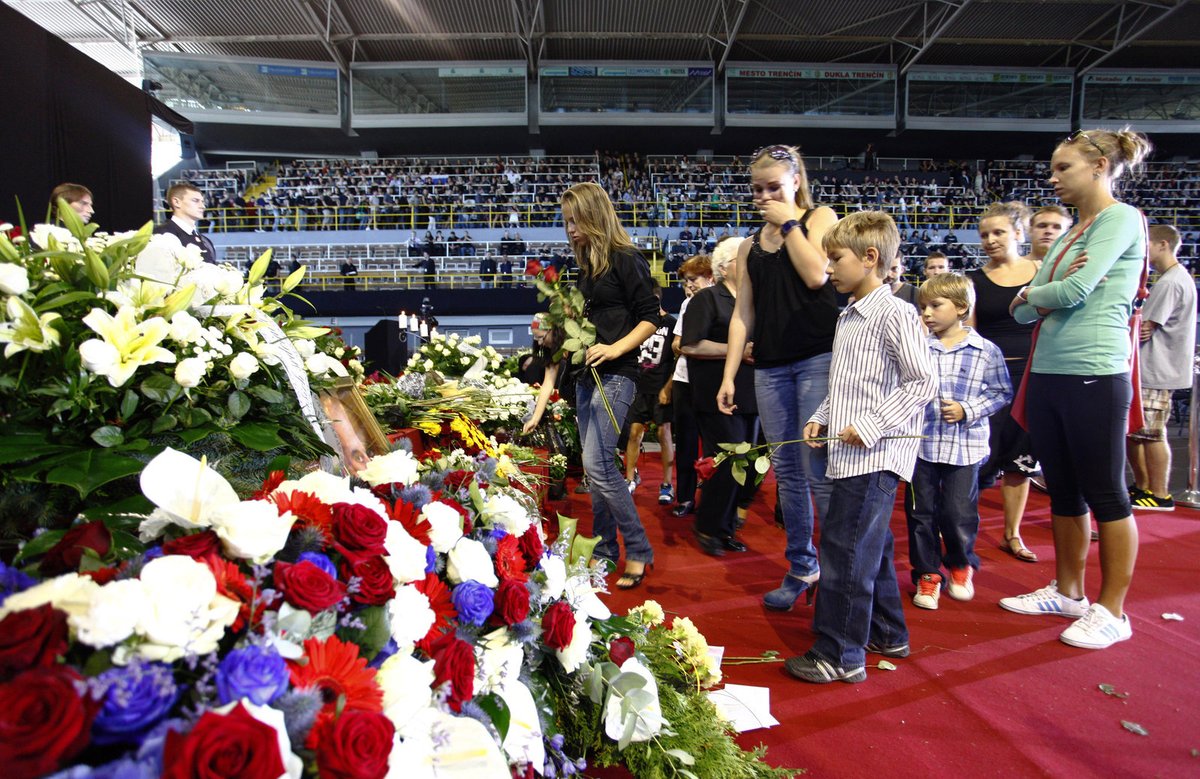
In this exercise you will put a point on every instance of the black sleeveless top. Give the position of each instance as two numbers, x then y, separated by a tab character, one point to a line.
791	321
994	323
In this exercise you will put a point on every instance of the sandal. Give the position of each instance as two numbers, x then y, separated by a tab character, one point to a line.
630	580
1016	547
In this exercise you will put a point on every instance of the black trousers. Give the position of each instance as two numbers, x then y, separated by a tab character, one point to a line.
721	495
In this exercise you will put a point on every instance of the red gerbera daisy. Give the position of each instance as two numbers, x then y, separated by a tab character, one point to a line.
510	563
410	517
273	480
307	509
444	612
233	584
336	668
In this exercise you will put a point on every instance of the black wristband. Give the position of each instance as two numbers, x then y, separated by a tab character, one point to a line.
788	226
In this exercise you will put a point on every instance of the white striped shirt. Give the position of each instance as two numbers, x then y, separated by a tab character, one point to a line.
880	380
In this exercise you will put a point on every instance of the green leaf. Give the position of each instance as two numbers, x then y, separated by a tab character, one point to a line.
884	665
497	709
1133	727
375	633
476	496
98	663
572	344
762	465
742	448
626	683
266	394
160	388
727	447
108	436
1108	689
164	423
125	545
572	328
739	472
239	404
129	404
91	468
257	435
39	545
683	757
63	300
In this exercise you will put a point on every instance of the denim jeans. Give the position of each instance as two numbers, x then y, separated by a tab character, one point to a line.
612	505
859	599
942	501
787	396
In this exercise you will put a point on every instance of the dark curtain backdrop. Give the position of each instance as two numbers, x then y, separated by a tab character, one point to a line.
68	118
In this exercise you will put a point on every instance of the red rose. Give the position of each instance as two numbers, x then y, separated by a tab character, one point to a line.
620	649
376	585
558	625
456	480
66	554
454	662
306	586
705	468
33	637
195	546
355	746
358	531
533	267
551	275
531	546
44	722
510	563
103	576
512	602
224	745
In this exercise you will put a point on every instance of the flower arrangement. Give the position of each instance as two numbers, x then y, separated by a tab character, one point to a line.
453	355
412	622
117	346
440	406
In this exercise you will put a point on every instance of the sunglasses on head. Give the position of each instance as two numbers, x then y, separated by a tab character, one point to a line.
775	152
1081	134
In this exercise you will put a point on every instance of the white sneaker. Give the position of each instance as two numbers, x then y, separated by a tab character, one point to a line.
929	589
1097	629
960	586
1047	600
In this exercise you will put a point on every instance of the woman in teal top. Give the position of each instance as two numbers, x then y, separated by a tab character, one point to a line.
1078	394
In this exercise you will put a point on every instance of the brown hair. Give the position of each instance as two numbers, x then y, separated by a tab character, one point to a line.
72	193
789	156
697	265
957	289
1059	210
597	220
1016	213
1124	148
177	190
862	230
1165	233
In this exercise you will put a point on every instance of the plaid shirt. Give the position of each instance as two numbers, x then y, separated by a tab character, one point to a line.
973	373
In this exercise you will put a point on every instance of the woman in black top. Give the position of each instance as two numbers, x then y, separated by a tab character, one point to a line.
615	282
786	301
704	342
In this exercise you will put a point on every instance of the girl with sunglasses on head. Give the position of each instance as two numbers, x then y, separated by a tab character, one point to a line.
788	309
1079	391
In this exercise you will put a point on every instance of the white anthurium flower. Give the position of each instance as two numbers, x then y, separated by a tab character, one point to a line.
405	556
252	530
497	667
410	616
446	525
190	371
573	655
524	742
437	744
133	344
112	615
323	365
14	279
26	330
504	511
184	613
555	569
293	765
582	596
469	559
186	491
635	715
394	467
243	366
407	685
70	592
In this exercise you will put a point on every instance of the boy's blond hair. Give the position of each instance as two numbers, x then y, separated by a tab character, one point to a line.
862	230
957	289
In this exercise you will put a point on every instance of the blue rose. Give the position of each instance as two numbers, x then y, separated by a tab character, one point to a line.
321	561
474	601
430	560
136	698
253	672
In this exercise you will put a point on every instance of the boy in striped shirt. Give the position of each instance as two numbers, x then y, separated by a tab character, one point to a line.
880	379
942	500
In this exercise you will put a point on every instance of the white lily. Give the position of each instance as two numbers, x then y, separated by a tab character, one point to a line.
26	330
126	346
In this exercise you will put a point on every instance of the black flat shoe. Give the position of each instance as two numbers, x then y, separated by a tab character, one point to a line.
683	509
710	545
733	545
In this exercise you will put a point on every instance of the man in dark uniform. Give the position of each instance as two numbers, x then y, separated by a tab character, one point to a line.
187	209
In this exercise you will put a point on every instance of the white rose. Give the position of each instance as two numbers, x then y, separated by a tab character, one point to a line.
189	371
470	560
323	486
184	614
429	365
293	765
186	329
506	512
243	365
323	364
13	279
252	529
158	260
410	616
407	685
445	526
406	556
99	357
112	615
394	467
576	652
70	592
556	577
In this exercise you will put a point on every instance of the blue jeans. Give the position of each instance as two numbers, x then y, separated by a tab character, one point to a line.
859	599
612	505
787	396
942	500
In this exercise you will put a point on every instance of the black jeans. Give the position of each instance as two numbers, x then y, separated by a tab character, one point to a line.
687	441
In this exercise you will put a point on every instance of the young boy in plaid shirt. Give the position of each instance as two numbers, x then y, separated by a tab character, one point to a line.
943	497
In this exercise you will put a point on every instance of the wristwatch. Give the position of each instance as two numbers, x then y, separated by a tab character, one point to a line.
787	227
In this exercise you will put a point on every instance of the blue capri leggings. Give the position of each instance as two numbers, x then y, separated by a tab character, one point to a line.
1078	426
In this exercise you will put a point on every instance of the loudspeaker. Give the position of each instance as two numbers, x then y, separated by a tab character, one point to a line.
187	147
384	349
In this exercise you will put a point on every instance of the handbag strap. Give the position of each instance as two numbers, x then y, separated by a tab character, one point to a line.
1033	336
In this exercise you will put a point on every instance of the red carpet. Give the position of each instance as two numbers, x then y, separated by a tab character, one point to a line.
985	692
